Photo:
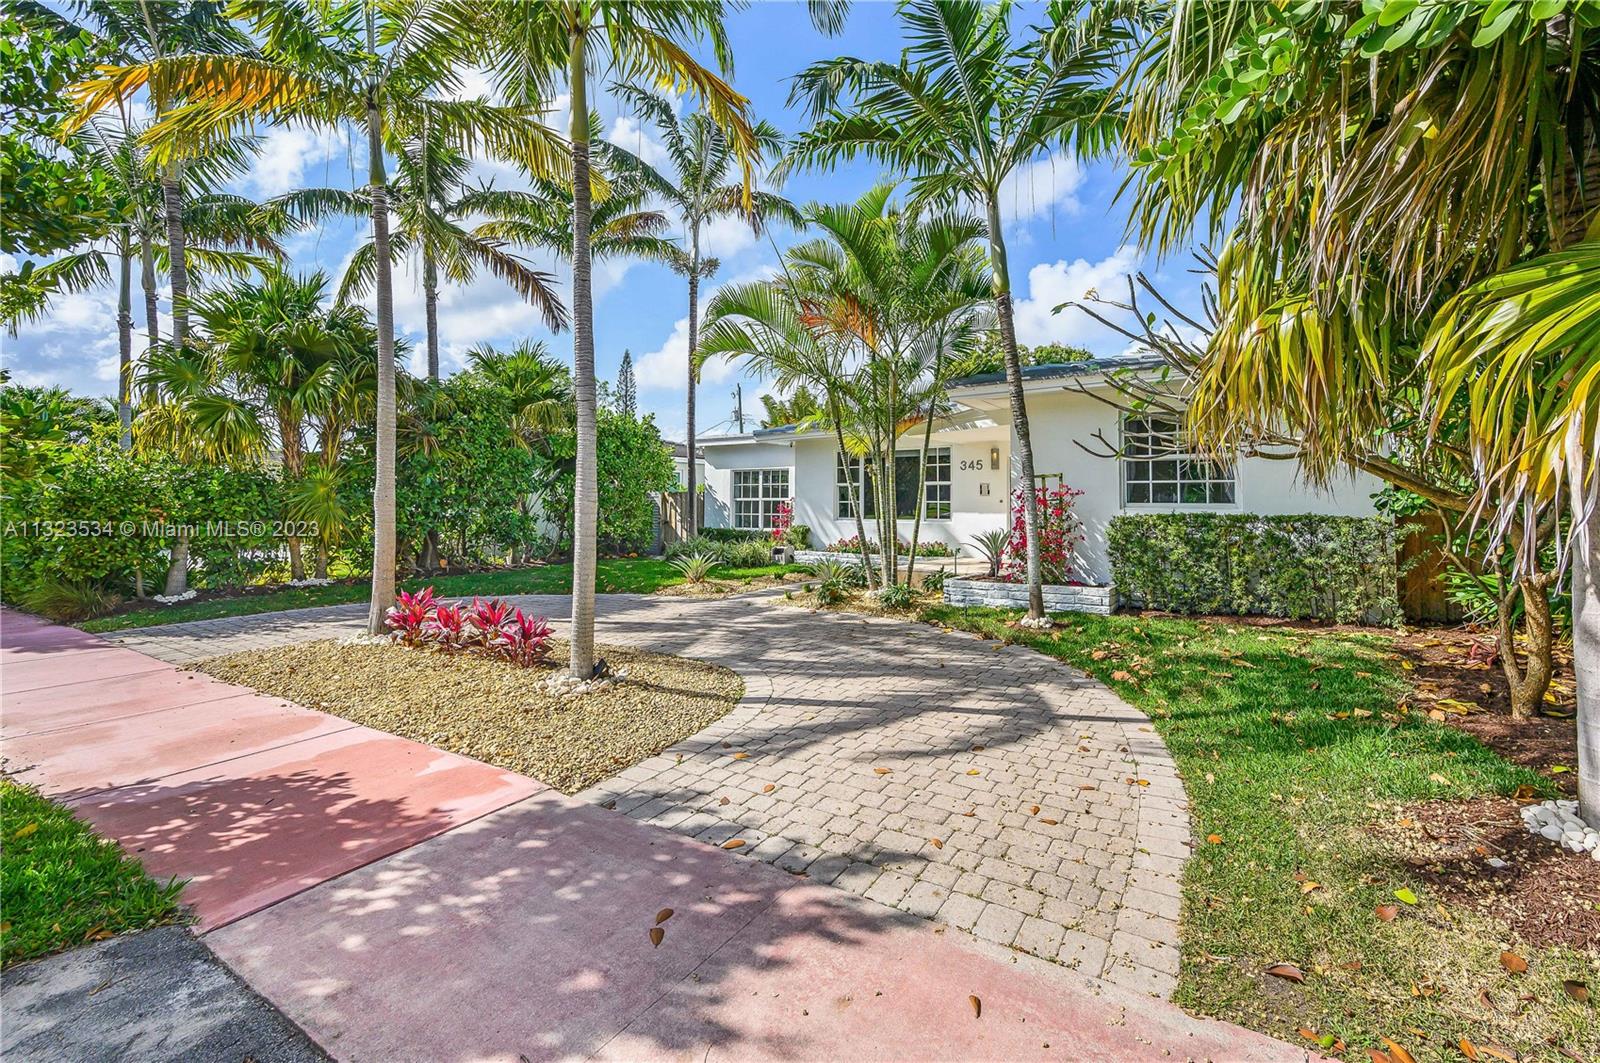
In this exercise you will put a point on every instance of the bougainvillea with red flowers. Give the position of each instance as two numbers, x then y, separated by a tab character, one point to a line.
1060	535
782	517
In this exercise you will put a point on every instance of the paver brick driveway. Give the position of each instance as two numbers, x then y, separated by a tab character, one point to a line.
894	760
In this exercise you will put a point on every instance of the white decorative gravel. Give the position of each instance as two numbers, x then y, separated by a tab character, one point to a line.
1558	821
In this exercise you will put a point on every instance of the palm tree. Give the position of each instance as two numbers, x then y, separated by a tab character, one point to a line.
894	295
533	46
327	65
968	104
699	191
1445	202
426	197
282	356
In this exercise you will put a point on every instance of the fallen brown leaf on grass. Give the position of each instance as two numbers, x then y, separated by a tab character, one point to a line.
1214	839
1468	1049
1513	963
1577	990
1386	912
1287	971
1398	1054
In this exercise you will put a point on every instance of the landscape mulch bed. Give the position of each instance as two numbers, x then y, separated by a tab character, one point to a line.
493	711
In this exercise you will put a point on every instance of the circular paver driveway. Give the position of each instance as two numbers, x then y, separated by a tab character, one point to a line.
895	760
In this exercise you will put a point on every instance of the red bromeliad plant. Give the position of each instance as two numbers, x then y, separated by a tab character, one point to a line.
491	627
1060	535
449	628
525	640
410	616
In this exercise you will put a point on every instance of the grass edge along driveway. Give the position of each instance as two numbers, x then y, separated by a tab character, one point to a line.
62	885
614	575
1293	744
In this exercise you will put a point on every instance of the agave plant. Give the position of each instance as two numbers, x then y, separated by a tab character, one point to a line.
993	545
695	568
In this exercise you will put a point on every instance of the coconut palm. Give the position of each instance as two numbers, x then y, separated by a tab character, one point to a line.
383	67
969	103
699	190
534	46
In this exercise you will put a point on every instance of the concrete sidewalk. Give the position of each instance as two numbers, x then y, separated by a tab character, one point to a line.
401	903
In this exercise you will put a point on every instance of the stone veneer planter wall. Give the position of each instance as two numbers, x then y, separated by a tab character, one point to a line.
812	557
1058	598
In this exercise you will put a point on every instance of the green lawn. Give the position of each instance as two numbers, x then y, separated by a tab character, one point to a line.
1291	749
619	575
63	886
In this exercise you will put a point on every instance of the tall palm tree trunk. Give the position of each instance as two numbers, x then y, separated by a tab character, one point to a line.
125	341
430	297
147	279
852	481
383	503
922	485
586	501
694	374
1019	406
1586	644
178	265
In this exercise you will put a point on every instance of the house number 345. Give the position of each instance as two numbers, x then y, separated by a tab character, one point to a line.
971	464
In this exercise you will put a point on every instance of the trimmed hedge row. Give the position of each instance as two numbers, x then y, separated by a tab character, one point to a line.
1305	566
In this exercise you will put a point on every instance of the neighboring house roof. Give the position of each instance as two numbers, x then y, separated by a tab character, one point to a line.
681	450
1050	371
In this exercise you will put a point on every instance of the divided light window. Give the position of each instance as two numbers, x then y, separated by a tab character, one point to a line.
1158	467
756	494
936	487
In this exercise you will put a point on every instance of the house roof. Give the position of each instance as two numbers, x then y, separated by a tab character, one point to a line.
1052	370
681	450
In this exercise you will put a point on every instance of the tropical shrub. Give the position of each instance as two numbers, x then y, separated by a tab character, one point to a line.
1307	566
897	596
834	580
928	548
992	544
492	628
747	553
68	600
730	535
695	544
782	518
934	581
798	537
1060	535
695	568
634	466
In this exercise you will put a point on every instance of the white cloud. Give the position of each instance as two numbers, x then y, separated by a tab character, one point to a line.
1040	187
288	152
1051	284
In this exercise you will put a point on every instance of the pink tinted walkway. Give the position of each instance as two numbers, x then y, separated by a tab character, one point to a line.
250	798
401	903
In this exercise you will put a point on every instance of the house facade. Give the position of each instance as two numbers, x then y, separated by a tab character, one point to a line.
972	472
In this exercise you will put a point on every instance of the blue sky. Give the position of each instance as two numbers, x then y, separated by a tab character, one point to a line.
1065	234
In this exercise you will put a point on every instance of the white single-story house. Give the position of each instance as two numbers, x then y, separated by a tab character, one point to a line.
971	473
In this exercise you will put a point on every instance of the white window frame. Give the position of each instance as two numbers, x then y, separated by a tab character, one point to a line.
931	488
1146	448
771	487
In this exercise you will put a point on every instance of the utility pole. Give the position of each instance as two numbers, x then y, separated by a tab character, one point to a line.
738	406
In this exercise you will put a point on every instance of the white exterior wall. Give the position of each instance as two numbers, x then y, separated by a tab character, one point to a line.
1058	418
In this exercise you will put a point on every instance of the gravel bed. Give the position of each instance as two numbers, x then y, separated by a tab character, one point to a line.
493	711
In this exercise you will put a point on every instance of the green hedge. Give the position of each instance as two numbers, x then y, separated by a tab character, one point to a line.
1305	566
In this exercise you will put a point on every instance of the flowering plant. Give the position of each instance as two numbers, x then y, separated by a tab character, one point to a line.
1060	534
782	517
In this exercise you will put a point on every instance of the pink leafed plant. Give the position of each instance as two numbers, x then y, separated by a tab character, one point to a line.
490	617
525	639
410	616
782	518
450	629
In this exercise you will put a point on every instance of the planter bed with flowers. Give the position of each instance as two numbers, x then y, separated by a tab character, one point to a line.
486	681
